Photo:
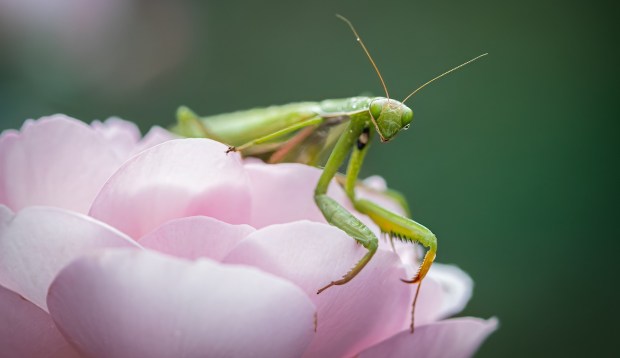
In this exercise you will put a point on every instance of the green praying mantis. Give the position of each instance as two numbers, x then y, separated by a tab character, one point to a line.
307	132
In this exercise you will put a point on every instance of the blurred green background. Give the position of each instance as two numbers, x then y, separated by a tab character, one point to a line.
512	161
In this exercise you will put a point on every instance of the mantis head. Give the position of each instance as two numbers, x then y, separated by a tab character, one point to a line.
390	117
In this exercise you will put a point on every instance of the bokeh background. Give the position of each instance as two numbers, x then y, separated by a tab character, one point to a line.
512	161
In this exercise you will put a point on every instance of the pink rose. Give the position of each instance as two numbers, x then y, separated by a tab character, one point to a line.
116	246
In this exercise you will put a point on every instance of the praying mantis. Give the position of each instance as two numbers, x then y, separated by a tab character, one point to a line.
307	132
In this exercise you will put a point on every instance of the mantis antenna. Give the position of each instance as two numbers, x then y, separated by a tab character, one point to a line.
359	39
441	75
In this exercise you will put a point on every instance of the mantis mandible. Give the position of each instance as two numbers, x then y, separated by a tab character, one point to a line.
306	132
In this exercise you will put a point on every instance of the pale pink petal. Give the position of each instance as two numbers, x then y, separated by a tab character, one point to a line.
456	287
453	338
55	161
125	138
38	241
156	135
6	215
284	193
28	331
427	305
9	133
195	237
129	303
253	160
375	182
373	306
178	178
434	301
121	135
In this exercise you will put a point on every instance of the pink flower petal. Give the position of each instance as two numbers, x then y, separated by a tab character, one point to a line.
6	215
38	241
284	193
454	338
28	331
125	138
456	286
371	307
427	305
56	161
121	135
129	303
436	300
9	133
178	178
156	135
375	182
195	237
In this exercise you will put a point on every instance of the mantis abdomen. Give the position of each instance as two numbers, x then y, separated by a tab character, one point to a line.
240	127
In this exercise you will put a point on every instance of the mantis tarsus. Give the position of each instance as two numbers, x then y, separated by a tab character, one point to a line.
305	132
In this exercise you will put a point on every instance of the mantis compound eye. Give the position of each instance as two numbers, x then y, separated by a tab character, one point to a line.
375	109
406	118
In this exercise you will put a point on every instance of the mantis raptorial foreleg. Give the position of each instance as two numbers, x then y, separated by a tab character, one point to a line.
395	225
357	136
334	213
